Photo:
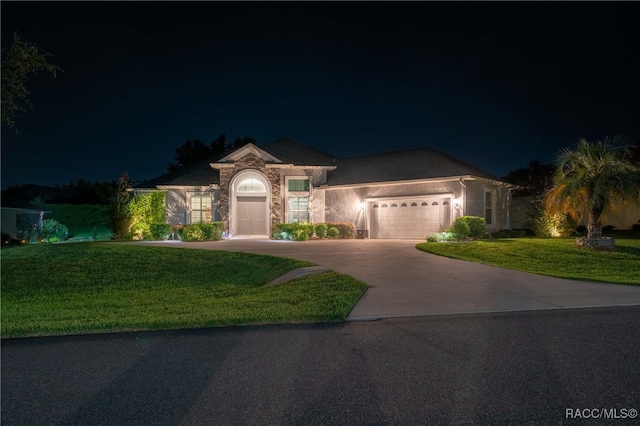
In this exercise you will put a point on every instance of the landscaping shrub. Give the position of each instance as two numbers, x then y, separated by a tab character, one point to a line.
146	209
635	226
477	226
202	232
192	233
53	231
292	231
469	226
460	229
321	230
552	225
345	229
333	232
212	231
433	238
160	231
300	234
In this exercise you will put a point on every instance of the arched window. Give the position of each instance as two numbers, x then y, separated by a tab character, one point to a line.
403	205
424	203
414	205
375	206
394	205
251	185
435	203
445	203
384	205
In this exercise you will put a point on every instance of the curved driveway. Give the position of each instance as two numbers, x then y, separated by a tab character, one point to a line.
404	281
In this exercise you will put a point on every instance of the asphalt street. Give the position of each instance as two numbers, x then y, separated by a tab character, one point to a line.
495	368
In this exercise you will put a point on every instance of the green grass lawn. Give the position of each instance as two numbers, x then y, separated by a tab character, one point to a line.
554	257
101	287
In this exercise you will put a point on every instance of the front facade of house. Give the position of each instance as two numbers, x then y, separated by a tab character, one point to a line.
403	194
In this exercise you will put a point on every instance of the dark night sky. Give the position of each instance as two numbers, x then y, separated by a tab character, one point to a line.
493	84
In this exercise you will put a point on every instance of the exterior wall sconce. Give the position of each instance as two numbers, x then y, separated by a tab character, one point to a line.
361	205
457	204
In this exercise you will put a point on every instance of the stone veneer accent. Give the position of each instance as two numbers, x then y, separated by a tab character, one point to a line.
253	162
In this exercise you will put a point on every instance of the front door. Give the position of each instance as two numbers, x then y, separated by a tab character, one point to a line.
252	215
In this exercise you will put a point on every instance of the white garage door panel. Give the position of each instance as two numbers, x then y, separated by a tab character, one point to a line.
411	218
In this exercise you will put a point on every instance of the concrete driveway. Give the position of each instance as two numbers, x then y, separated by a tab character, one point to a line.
404	281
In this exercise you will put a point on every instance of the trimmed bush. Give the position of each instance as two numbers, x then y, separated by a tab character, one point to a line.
202	232
333	232
477	226
469	226
433	238
160	231
53	231
304	231
321	230
345	229
460	229
192	233
292	231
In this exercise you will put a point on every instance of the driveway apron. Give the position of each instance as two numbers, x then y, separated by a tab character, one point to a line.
404	281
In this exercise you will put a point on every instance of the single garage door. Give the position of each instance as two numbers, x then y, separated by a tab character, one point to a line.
252	216
409	218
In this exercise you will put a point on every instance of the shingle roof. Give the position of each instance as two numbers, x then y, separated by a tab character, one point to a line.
290	151
197	174
420	163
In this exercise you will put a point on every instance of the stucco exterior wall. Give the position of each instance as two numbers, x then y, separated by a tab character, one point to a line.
178	207
342	204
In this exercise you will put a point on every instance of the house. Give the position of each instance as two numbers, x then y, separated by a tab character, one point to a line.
401	194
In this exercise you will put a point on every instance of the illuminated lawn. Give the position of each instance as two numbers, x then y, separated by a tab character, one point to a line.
100	287
554	257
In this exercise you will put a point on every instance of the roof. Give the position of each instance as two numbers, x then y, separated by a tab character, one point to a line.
420	163
197	174
290	151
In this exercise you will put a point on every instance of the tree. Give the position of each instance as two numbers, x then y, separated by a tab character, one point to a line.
18	62
592	180
188	153
194	151
119	212
534	179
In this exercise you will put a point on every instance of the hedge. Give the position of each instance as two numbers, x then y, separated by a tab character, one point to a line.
202	232
304	231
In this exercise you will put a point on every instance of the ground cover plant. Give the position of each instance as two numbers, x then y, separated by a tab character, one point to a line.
558	257
101	287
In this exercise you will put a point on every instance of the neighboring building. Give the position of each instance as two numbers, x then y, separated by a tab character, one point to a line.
21	224
402	194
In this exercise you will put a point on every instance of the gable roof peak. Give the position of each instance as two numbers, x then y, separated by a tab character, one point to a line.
250	149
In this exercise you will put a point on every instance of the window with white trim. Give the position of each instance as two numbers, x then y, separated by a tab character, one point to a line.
298	200
489	206
200	208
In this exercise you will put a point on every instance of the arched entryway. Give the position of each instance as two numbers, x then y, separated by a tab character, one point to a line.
250	201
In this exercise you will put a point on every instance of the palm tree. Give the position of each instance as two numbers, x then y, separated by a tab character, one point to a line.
593	179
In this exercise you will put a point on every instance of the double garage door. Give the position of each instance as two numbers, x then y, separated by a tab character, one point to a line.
409	218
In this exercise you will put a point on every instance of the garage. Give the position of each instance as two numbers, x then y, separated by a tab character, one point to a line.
410	217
